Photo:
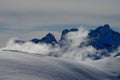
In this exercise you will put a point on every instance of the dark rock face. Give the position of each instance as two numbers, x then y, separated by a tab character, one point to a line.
101	38
35	40
48	39
104	38
64	32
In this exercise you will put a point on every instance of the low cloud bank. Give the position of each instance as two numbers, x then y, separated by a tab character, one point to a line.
76	47
78	50
30	47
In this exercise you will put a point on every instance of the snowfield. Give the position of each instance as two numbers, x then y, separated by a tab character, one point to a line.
26	66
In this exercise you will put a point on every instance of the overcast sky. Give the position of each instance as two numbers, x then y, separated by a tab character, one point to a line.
28	15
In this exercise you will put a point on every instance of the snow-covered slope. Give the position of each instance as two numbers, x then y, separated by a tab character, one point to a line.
26	66
79	55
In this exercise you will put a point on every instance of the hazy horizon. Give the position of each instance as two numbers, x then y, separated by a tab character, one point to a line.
27	18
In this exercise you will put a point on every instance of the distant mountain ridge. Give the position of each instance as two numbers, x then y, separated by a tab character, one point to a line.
100	38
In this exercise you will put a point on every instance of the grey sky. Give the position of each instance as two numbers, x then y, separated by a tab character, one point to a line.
30	13
19	15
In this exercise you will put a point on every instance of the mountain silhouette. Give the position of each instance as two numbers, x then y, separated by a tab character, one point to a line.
49	39
104	38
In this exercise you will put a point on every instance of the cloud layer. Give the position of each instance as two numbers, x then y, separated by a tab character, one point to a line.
74	49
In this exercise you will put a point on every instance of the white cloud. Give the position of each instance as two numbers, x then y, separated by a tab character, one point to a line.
30	47
27	14
75	52
76	38
76	47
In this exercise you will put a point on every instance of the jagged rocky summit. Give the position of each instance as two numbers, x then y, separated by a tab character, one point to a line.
101	38
49	39
104	38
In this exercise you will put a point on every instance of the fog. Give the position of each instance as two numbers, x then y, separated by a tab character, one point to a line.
74	49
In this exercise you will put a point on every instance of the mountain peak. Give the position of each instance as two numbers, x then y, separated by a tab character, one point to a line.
71	30
64	32
49	35
102	29
104	38
49	39
106	26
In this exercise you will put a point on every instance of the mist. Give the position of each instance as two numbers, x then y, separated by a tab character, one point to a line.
76	50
